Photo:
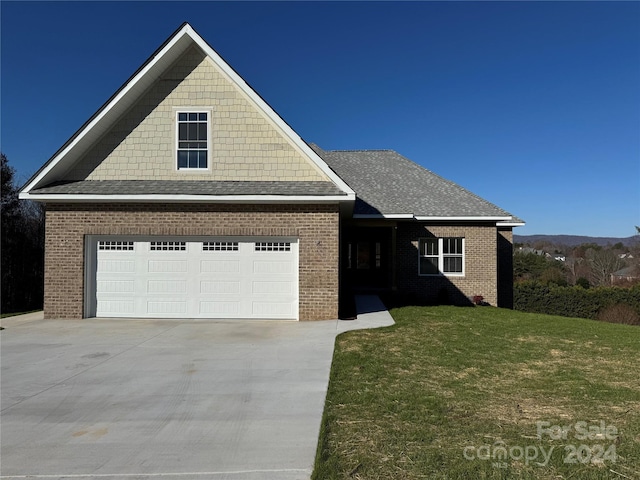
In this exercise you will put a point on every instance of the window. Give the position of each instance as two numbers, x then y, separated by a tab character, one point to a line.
193	141
168	246
273	247
441	256
362	254
106	245
220	246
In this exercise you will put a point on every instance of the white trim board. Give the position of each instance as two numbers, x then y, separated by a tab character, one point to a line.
75	198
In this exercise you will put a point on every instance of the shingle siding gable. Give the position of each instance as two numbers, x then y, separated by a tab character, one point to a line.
246	146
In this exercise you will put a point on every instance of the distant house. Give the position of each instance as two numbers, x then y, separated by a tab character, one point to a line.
628	274
559	257
526	250
187	196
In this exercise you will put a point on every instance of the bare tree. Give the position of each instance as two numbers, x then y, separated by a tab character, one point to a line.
603	263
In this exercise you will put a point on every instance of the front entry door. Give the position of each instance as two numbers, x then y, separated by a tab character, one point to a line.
366	257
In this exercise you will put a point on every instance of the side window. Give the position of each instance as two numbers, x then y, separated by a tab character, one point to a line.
429	256
193	140
441	256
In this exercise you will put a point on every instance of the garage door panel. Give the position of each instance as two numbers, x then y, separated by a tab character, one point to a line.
116	307
207	278
272	287
116	286
167	307
271	309
220	287
272	267
167	266
167	286
220	266
220	308
116	266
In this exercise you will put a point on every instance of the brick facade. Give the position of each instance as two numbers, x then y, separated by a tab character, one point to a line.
481	263
316	227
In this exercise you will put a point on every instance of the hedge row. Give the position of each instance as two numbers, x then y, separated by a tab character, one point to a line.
573	301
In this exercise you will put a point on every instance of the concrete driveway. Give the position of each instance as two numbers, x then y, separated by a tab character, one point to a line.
166	399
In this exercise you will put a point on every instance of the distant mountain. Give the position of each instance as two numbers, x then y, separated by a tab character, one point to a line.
575	240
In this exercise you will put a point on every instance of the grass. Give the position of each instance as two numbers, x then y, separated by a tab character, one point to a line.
436	395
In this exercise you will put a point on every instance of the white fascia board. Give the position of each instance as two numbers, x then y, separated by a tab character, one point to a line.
386	216
463	219
510	224
66	198
410	216
268	111
107	108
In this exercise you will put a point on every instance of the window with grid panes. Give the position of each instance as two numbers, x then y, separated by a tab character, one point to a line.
441	256
193	140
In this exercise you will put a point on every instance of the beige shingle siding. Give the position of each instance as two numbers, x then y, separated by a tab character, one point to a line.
246	145
315	226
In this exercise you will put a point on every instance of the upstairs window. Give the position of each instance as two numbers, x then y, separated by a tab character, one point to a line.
441	256
193	140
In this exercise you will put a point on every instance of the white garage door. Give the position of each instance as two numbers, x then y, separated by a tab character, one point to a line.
194	278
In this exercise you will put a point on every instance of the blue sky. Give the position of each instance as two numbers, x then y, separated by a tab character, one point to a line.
534	106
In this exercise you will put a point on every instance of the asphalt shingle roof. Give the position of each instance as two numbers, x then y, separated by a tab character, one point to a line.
388	183
189	187
385	182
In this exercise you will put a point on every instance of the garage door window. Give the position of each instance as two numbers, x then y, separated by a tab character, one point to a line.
106	245
273	247
220	246
168	246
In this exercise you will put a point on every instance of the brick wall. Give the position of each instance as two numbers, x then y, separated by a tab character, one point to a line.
480	264
245	143
316	227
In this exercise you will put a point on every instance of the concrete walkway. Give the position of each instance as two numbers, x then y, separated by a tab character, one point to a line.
165	399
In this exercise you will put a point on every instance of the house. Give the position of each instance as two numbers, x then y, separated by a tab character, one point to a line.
558	257
185	195
627	274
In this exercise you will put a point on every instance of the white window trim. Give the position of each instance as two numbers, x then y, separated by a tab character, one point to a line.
209	112
441	256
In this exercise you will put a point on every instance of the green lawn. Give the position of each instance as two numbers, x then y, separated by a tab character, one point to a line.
462	393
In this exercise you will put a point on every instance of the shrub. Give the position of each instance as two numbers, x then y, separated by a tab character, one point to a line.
583	282
573	301
619	313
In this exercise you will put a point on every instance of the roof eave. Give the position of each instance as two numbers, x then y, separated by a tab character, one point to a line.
463	218
438	218
385	216
511	224
157	198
